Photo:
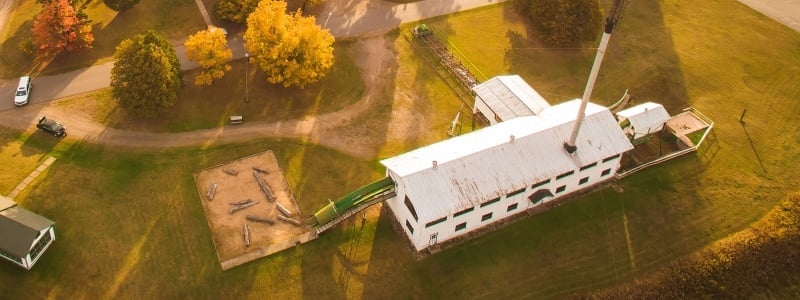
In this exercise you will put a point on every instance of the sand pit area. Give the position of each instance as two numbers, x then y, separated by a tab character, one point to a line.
235	186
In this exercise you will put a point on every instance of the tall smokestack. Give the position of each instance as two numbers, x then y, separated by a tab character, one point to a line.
611	21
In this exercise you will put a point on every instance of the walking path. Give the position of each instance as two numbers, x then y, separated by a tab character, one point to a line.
49	161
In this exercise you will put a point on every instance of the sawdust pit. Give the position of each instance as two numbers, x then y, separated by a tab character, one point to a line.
237	189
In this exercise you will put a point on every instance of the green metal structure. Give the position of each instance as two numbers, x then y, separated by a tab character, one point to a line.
352	200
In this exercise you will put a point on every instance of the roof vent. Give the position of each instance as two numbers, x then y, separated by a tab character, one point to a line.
434	164
512	137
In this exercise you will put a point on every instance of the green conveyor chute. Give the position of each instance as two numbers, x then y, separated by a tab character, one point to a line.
353	199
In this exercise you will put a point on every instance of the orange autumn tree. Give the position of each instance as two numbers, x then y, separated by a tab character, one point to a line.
59	27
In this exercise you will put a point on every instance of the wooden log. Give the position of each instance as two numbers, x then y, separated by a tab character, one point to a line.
211	190
283	210
230	171
246	231
259	219
260	170
264	187
241	207
290	220
241	202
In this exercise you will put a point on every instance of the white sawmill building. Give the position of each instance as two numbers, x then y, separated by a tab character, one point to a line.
458	185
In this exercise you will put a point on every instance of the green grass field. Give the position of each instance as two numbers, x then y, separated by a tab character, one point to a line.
138	230
176	19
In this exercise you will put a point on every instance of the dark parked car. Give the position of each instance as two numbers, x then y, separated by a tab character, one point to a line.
51	127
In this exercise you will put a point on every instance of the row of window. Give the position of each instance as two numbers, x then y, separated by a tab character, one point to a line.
560	189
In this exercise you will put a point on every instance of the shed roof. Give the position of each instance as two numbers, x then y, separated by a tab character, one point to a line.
488	163
6	203
19	227
510	96
645	118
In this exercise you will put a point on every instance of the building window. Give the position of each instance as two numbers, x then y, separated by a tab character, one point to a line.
610	158
437	221
512	207
487	203
466	211
486	217
410	228
589	166
411	208
540	195
535	185
461	226
561	189
605	172
514	193
37	249
564	175
584	180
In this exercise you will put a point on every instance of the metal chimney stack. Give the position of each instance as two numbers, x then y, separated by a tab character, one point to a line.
611	21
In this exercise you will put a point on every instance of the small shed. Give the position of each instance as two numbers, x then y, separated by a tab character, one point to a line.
24	235
503	98
642	120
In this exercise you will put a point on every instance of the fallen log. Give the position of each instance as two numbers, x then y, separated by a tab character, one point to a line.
290	220
264	187
241	202
259	219
230	171
260	170
241	207
211	190
283	210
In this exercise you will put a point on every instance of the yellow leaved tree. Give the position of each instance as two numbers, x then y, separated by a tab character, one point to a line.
289	48
209	48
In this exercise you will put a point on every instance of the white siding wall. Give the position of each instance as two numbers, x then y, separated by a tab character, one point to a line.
481	107
421	238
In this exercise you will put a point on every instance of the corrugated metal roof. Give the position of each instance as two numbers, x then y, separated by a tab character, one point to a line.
486	163
19	228
646	117
510	97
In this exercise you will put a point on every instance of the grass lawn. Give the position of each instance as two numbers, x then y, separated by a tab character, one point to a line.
137	231
210	106
176	19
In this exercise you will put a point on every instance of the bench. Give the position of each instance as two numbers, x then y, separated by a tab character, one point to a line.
237	119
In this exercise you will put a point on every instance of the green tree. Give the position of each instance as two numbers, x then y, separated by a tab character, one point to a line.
120	5
209	48
235	10
290	49
563	23
146	76
59	27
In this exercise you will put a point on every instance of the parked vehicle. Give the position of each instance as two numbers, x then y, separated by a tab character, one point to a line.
52	127
23	93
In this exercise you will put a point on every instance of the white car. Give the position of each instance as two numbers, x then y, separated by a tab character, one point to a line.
23	93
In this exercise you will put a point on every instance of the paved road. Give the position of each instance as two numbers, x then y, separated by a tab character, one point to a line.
348	18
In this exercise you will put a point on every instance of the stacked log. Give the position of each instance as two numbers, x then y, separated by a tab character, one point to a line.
259	219
290	220
283	210
264	187
241	202
211	190
241	207
246	231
